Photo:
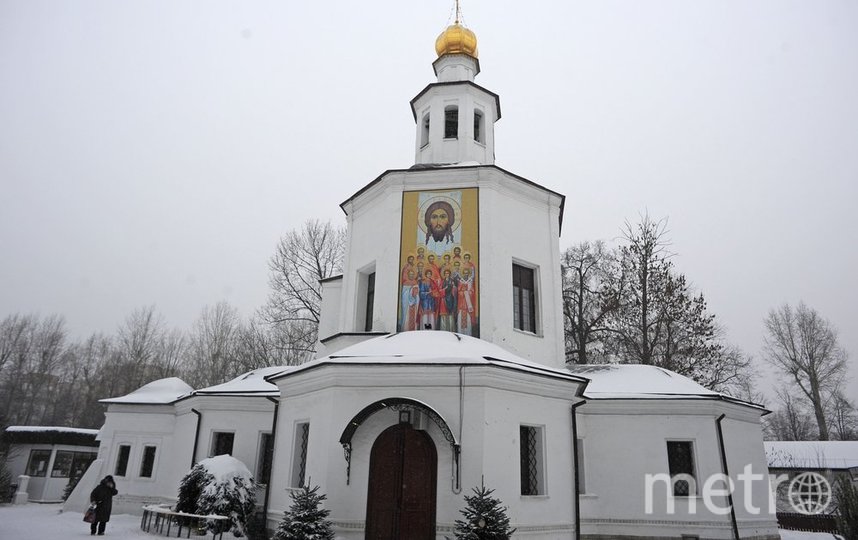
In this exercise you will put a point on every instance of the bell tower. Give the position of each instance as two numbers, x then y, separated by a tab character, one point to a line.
455	116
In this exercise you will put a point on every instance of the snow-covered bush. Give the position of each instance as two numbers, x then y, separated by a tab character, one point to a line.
485	518
220	485
305	520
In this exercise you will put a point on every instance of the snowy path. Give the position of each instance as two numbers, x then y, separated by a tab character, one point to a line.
46	522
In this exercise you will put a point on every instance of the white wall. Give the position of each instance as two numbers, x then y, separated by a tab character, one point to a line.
518	222
626	439
496	402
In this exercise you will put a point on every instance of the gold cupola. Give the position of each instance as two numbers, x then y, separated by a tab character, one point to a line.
456	39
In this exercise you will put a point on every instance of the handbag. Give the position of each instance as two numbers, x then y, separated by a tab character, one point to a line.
89	516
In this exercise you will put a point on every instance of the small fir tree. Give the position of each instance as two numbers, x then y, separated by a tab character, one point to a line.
190	488
485	517
220	485
305	520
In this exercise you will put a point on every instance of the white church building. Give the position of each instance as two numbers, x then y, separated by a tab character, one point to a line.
441	366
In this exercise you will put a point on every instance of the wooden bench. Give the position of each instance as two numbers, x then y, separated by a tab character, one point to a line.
165	522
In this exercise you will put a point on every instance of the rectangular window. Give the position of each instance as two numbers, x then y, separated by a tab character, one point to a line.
222	442
62	465
370	300
122	460
680	459
451	123
263	460
299	455
478	126
81	462
38	464
148	463
582	484
424	137
524	298
531	461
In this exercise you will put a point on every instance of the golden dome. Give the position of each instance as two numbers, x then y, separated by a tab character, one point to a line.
456	39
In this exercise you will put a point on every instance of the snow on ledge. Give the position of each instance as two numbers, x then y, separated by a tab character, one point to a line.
40	429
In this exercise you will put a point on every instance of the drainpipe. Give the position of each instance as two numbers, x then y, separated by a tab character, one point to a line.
457	450
577	463
196	436
724	470
276	403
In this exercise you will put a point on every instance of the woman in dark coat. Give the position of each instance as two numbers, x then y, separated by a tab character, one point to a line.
102	498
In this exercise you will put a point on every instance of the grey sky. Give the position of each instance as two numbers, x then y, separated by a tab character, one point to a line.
154	152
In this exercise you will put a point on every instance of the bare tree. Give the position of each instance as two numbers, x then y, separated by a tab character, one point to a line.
303	258
804	346
139	341
791	422
843	419
588	298
213	346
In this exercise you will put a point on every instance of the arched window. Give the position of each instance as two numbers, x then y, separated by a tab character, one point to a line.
424	134
451	122
479	134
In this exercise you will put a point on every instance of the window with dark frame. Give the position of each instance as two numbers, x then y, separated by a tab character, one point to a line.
147	466
62	464
529	460
122	460
424	137
451	123
523	298
680	460
370	300
299	461
38	463
263	461
478	126
222	443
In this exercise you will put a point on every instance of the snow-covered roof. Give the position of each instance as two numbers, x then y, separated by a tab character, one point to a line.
162	391
250	383
35	429
637	381
812	454
611	381
437	347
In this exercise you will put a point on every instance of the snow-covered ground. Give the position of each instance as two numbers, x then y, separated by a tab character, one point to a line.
48	522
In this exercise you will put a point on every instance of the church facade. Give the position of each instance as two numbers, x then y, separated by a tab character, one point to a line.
441	368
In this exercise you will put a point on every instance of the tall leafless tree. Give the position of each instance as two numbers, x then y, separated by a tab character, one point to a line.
303	258
213	341
843	419
803	345
791	421
588	298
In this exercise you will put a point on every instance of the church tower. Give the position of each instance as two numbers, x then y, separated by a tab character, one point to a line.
455	117
453	243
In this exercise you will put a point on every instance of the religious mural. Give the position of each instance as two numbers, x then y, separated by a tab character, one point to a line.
439	261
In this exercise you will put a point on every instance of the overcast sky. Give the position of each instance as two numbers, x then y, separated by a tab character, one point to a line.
153	152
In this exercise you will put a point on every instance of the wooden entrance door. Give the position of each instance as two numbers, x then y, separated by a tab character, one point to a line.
403	468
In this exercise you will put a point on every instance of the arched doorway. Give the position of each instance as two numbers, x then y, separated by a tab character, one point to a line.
403	468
